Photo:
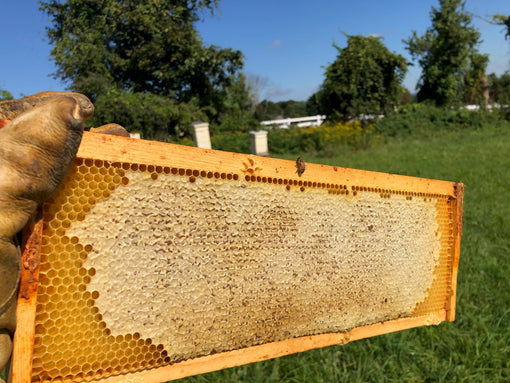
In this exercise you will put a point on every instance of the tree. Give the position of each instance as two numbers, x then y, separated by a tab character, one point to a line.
503	20
365	79
237	102
452	67
500	89
405	97
140	47
5	95
154	116
257	84
268	110
293	109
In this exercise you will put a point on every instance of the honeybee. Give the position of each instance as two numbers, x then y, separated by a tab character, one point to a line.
301	166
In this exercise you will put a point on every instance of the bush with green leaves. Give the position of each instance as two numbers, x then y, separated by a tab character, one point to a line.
500	91
238	121
424	119
322	139
238	142
155	117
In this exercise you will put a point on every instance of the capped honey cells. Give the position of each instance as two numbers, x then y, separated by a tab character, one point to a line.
144	266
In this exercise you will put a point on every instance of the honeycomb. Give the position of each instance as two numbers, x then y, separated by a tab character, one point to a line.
144	266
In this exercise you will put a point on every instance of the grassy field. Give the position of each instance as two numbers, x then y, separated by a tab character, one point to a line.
474	348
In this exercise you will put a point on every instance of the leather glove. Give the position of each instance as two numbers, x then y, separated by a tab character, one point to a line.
36	149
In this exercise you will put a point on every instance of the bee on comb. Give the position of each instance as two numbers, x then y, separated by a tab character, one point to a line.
301	166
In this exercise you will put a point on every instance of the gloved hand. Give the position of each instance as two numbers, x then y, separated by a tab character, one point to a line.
36	149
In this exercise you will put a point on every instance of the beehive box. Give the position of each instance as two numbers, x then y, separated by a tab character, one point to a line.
155	261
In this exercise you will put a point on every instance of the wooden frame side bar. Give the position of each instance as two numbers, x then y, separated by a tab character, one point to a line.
457	212
23	348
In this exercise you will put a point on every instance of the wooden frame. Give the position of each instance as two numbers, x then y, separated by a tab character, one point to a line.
126	150
27	301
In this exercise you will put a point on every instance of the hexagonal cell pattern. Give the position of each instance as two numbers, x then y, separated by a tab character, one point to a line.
143	266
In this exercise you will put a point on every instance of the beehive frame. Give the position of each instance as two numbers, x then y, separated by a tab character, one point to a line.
297	293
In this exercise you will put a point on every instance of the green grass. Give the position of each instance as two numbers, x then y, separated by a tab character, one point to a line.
474	348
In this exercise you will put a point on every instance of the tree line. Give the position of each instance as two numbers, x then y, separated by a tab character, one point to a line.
145	66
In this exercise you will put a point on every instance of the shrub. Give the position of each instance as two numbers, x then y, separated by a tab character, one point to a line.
234	123
322	139
422	120
238	142
155	117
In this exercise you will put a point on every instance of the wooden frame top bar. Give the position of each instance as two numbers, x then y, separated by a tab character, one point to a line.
123	149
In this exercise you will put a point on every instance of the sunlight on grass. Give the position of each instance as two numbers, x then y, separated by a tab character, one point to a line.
474	348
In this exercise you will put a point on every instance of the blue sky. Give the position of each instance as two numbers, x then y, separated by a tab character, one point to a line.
286	43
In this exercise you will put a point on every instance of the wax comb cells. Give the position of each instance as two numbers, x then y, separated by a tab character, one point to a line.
144	266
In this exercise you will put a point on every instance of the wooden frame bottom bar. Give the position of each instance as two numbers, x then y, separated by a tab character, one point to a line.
268	351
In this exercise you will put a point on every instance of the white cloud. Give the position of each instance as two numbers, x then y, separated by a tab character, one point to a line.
277	94
275	44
